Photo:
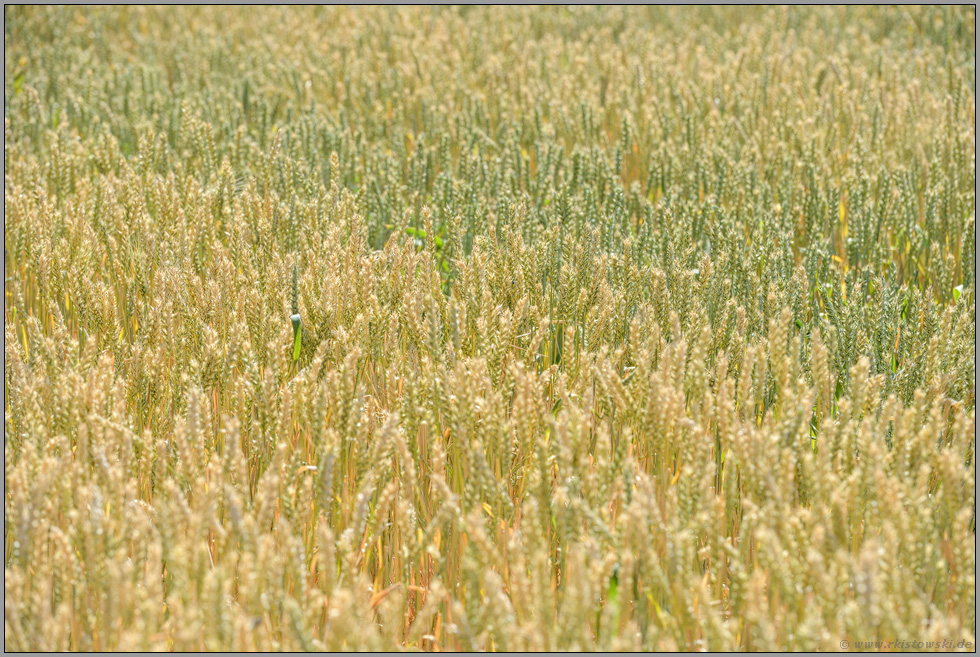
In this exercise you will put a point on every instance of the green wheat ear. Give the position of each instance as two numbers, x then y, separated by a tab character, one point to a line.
297	333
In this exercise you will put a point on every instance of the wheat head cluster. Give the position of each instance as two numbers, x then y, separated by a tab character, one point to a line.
488	328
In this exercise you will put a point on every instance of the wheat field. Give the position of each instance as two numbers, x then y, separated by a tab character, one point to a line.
489	328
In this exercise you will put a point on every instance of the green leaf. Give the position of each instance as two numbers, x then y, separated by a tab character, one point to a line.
297	335
613	595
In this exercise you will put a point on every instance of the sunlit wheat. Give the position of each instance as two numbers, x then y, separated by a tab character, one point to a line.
488	328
